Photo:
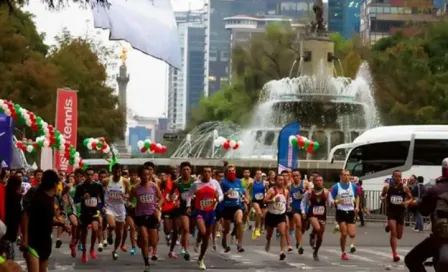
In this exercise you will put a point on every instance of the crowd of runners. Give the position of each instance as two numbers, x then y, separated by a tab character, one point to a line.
148	207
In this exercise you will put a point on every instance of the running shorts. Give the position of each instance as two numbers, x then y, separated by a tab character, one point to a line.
228	213
347	217
117	211
86	219
260	203
209	217
272	220
148	221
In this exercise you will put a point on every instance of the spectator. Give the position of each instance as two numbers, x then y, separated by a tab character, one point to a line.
362	202
418	191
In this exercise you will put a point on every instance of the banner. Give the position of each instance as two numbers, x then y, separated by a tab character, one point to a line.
66	123
287	155
6	143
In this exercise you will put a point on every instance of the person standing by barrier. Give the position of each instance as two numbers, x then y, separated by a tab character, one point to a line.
362	203
418	191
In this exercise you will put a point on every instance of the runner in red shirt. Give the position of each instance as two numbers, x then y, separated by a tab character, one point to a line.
170	194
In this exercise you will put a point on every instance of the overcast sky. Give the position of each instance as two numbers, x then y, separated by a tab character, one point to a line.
148	80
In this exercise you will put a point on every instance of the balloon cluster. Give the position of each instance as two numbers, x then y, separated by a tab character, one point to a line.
151	147
47	133
27	145
302	142
98	144
227	143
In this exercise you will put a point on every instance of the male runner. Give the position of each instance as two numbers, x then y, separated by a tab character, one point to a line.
89	194
246	181
397	197
117	191
129	222
219	176
72	210
207	194
345	196
170	215
183	184
233	197
277	199
103	176
149	201
317	200
258	188
297	189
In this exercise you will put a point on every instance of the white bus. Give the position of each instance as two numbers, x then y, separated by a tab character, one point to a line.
414	150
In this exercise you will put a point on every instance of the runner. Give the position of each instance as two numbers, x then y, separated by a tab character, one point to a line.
149	200
207	194
129	222
317	200
219	174
287	175
397	197
346	198
117	191
278	203
71	209
170	215
233	197
246	181
183	184
89	194
297	189
102	180
258	188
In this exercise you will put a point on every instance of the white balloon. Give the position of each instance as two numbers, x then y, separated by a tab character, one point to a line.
77	154
62	141
222	140
61	148
5	107
159	146
217	143
140	144
29	148
77	160
151	152
240	143
232	143
1	102
290	138
89	146
8	112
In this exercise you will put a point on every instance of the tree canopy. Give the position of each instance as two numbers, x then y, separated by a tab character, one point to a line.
409	74
31	73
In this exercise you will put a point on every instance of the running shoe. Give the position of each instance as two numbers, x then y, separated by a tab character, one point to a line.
282	256
93	254
344	256
172	255
133	251
110	240
147	269
352	248
73	250
395	257
315	257
186	256
154	258
267	246
114	256
123	248
58	243
100	247
84	257
240	249
201	265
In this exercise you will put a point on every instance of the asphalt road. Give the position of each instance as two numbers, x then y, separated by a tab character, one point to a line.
373	254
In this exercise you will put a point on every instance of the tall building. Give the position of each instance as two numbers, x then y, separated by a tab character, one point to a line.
344	17
193	69
381	18
176	78
217	44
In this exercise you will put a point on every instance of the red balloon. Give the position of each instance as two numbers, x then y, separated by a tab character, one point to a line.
236	147
300	141
309	149
153	146
93	145
226	145
143	150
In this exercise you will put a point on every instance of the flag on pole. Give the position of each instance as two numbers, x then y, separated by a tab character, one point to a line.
148	25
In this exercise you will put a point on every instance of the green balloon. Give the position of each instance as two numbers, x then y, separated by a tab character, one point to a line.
86	142
316	146
99	145
147	145
305	146
294	142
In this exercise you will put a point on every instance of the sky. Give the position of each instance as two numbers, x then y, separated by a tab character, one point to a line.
148	76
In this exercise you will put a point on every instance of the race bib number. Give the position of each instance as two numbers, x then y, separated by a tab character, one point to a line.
174	197
185	195
318	210
114	195
168	197
91	202
297	195
347	199
396	200
146	199
259	196
206	203
234	194
279	206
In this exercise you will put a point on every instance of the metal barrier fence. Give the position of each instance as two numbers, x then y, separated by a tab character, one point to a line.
374	210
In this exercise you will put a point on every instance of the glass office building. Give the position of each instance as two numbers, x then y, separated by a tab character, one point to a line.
344	17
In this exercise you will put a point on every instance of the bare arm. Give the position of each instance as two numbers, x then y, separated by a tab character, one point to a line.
305	200
384	192
159	196
269	197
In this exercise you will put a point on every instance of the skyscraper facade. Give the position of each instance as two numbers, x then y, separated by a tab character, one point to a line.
344	17
217	38
176	78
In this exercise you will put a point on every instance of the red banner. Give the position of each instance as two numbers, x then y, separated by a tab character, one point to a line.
66	123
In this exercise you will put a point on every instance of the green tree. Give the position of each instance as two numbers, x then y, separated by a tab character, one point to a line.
268	56
411	75
81	69
350	54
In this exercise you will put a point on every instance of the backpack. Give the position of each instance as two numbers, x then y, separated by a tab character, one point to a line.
440	217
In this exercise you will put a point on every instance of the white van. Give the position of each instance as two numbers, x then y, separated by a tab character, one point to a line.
414	150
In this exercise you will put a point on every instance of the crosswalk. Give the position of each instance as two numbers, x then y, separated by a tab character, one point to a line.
253	259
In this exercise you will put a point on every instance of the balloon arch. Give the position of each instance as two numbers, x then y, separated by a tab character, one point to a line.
48	135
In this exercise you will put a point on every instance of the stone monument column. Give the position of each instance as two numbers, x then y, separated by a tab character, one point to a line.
123	80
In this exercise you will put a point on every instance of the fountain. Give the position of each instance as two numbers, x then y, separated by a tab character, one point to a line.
332	110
